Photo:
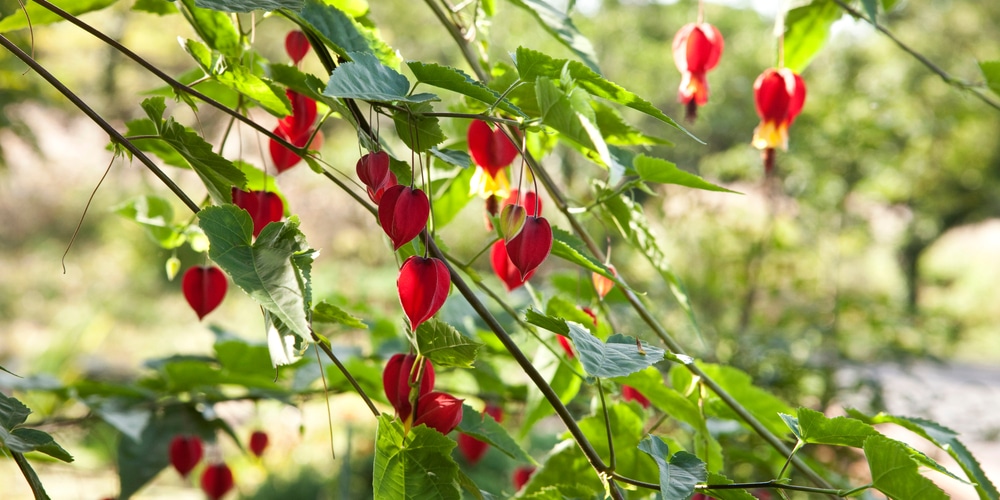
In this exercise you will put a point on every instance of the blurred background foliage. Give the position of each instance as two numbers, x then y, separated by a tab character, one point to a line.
876	242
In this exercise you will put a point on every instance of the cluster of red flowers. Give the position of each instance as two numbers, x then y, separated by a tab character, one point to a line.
186	451
438	410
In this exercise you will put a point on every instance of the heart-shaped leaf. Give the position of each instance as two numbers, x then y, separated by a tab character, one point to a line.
204	288
423	286
505	269
403	213
490	149
264	207
531	246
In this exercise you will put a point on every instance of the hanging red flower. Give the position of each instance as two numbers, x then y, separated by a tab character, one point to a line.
779	95
697	48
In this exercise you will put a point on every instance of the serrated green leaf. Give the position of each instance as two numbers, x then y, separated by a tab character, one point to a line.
806	30
533	64
215	29
680	474
947	440
617	357
156	215
813	427
325	312
414	465
454	157
239	356
456	80
240	79
366	78
335	24
445	346
762	404
486	429
217	173
36	440
418	131
549	323
558	307
156	146
991	70
617	132
249	5
895	473
40	16
652	169
570	248
559	25
12	412
726	494
273	270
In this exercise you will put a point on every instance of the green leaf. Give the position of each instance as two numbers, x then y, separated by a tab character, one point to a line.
533	64
154	146
558	307
652	169
549	323
947	440
570	248
484	428
156	216
158	7
216	30
12	412
871	8
631	222
618	357
368	79
249	5
679	476
418	131
452	193
240	79
122	413
414	465
991	70
344	34
445	346
325	312
273	270
762	404
895	473
456	80
806	31
559	25
141	460
617	132
454	157
725	494
813	427
238	356
24	440
40	15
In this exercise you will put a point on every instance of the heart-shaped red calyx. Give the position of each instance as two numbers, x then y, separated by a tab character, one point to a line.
423	285
264	207
403	213
490	148
531	246
204	288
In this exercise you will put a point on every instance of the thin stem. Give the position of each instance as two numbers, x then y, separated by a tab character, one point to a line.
460	40
948	78
99	120
322	343
607	426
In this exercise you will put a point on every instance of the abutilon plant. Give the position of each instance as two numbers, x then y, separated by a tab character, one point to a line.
258	442
295	128
531	246
403	213
505	269
603	284
373	171
204	288
264	207
697	48
521	476
564	342
492	152
423	286
632	394
779	95
296	45
437	410
185	453
216	481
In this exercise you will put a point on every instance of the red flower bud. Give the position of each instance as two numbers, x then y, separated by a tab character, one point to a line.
303	115
439	411
397	378
185	453
216	481
505	269
423	286
204	288
529	202
602	284
631	394
697	48
258	442
296	45
490	149
403	213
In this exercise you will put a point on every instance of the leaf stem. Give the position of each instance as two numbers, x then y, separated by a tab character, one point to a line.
22	463
323	345
612	462
99	120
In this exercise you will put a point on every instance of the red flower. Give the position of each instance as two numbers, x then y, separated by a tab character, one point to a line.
602	284
264	207
258	442
423	286
295	128
216	481
185	453
529	201
472	448
397	379
296	45
531	246
505	269
631	394
564	342
204	288
439	411
490	149
590	312
522	475
779	95
697	48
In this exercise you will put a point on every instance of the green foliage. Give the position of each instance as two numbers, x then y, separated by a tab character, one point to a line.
894	472
415	465
617	357
679	474
249	5
458	81
806	31
20	439
991	70
39	16
561	26
484	428
445	346
366	78
815	428
658	170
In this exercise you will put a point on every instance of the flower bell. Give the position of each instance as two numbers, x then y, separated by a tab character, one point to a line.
779	95
697	48
492	152
398	379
